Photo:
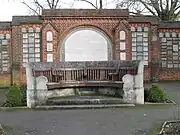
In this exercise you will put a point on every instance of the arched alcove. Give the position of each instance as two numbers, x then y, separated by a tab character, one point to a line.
86	44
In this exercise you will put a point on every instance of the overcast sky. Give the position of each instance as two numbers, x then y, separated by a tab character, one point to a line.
9	8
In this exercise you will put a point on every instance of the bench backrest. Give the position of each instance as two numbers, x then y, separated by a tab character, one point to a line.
85	71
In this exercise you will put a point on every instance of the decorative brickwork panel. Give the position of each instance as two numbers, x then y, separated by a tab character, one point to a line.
49	48
5	43
122	53
66	25
31	43
154	46
16	43
170	48
140	43
16	52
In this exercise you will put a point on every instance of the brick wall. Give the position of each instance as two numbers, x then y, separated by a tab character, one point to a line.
165	74
109	26
4	80
61	27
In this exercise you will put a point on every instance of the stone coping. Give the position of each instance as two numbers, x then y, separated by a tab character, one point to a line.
165	123
171	103
85	12
82	64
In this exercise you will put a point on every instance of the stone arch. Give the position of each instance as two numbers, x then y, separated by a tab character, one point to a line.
61	45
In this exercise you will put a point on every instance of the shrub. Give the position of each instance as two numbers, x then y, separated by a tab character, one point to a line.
13	96
23	94
146	94
156	94
16	96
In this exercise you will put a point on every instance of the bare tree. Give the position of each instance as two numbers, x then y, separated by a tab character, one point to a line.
98	4
36	6
165	10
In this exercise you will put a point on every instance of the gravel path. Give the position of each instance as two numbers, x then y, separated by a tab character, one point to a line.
122	121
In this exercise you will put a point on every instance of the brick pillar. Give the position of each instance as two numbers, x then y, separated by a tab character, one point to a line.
154	54
16	54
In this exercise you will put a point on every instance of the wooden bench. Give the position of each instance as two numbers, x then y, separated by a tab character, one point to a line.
85	74
47	79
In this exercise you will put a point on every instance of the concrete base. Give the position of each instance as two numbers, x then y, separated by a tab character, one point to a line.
72	91
60	93
85	100
84	106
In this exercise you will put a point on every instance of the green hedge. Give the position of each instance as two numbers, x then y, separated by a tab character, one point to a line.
155	94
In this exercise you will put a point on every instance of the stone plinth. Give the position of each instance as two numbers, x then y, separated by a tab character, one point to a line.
133	86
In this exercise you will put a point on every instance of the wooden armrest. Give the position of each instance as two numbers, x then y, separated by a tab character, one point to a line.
57	75
112	73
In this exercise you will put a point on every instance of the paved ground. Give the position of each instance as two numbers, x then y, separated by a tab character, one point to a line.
123	121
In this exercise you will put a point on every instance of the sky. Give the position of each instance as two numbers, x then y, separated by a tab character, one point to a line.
9	8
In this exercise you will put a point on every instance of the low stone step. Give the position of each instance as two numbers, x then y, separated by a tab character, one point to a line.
85	100
46	107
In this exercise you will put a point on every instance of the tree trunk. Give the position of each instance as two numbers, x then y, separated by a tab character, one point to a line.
100	4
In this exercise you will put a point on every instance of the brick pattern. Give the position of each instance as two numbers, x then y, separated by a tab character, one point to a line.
147	74
4	79
169	75
66	25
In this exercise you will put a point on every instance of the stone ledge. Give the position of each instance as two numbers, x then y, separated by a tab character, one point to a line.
14	108
84	106
171	103
150	103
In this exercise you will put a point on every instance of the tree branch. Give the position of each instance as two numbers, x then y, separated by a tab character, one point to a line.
161	5
53	3
30	8
100	4
49	4
56	3
38	4
145	5
89	3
